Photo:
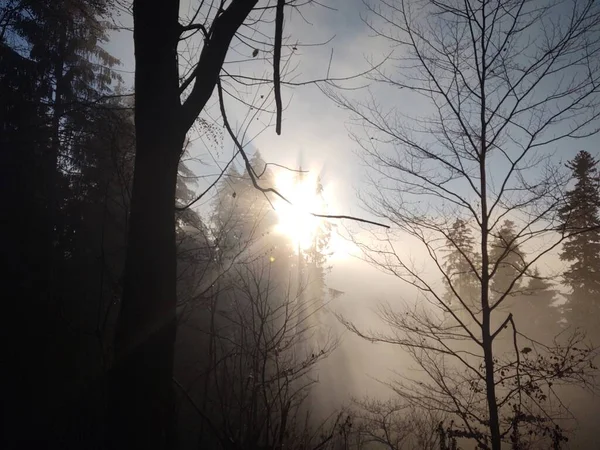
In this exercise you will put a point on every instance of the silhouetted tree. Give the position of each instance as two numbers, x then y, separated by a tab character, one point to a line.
580	215
470	152
54	75
168	103
146	327
65	39
395	425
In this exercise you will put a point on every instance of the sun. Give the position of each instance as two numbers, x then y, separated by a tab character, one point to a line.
307	195
295	220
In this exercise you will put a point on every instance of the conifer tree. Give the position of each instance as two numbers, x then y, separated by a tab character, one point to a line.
55	140
505	251
242	214
460	266
316	256
581	217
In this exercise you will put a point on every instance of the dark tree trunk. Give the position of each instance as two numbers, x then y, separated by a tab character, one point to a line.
140	391
490	382
486	334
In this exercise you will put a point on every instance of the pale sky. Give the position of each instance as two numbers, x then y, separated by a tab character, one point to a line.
315	133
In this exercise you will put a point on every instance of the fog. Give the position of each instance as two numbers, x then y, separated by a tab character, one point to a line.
306	225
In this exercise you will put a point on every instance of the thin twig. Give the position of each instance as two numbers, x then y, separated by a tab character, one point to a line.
329	65
183	208
281	166
518	363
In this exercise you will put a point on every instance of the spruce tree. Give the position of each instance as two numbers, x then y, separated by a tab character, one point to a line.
461	265
241	214
507	262
580	218
54	136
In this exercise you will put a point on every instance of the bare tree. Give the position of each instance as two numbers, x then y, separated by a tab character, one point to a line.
501	81
396	425
252	390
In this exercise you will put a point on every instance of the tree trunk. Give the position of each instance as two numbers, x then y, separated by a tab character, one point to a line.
490	383
486	338
486	335
140	383
140	391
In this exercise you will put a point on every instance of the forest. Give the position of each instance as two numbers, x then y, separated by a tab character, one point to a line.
300	224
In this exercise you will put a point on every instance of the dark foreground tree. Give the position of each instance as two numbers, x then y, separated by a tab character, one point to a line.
166	107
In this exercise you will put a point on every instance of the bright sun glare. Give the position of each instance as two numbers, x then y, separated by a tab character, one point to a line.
296	221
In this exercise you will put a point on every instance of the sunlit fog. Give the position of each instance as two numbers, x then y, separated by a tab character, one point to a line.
299	224
294	219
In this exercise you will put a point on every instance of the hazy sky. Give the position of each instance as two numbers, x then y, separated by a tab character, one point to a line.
314	130
315	133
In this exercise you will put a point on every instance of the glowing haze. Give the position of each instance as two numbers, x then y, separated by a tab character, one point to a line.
307	194
295	220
